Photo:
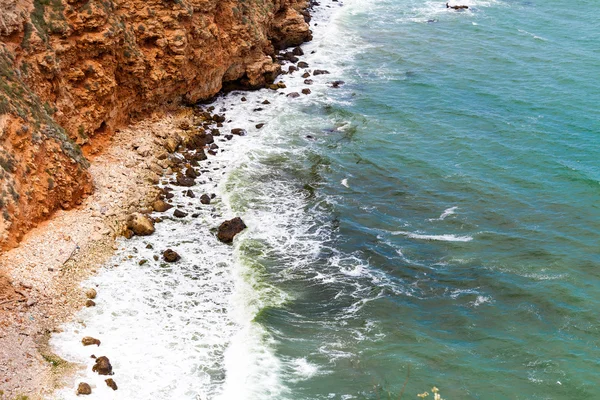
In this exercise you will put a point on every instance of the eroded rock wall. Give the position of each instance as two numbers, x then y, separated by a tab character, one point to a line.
74	70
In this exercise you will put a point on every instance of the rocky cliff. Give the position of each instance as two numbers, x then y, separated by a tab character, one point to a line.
72	71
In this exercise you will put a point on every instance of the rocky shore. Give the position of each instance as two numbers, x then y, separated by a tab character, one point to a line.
40	279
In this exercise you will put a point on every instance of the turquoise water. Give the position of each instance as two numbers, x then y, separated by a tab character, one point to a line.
442	218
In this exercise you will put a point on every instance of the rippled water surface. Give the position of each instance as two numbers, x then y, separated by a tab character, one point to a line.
436	217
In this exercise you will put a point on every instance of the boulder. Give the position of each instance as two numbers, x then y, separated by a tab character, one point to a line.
140	224
182	180
102	366
205	199
91	293
239	131
320	72
302	64
89	341
171	256
298	51
161	206
308	81
337	84
306	91
258	126
179	214
84	388
172	143
111	384
229	229
90	303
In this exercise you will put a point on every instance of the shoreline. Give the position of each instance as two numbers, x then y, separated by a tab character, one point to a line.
75	243
45	271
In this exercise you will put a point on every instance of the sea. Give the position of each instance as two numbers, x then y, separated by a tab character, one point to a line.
430	223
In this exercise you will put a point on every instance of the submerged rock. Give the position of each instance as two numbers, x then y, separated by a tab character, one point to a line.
102	366
229	229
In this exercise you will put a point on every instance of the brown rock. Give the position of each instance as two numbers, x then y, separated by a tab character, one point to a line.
102	366
91	293
320	72
84	388
239	132
111	384
302	64
88	341
171	256
179	214
308	81
229	229
161	206
205	199
140	224
306	91
90	303
293	95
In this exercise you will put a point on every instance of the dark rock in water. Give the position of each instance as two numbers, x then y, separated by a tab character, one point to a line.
258	126
111	384
212	152
179	214
195	215
228	137
155	257
305	75
215	132
214	146
171	256
292	68
191	173
90	303
184	181
266	102
310	137
302	64
244	99
320	72
258	109
161	206
84	388
89	341
205	199
308	81
229	229
212	195
306	91
102	366
189	193
297	51
293	95
91	293
149	246
142	262
218	118
337	84
169	195
239	132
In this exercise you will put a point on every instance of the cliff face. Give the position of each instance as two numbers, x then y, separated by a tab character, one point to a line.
72	71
